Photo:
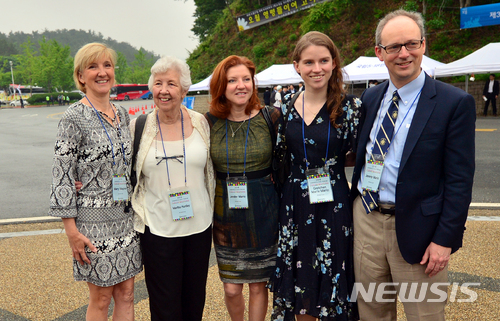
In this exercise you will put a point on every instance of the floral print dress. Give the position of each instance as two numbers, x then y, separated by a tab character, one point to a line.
314	269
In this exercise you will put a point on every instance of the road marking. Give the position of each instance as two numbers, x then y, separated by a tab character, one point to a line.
484	130
32	115
53	115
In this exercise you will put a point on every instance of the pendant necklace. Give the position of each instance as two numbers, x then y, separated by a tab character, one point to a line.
234	131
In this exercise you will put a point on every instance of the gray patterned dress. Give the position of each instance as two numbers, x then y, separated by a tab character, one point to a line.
83	152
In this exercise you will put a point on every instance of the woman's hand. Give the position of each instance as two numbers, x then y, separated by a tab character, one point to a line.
77	241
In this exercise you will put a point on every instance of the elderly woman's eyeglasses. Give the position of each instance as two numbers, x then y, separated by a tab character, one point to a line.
396	48
178	158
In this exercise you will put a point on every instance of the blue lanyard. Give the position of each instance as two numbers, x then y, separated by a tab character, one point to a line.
119	132
304	138
183	149
397	130
245	156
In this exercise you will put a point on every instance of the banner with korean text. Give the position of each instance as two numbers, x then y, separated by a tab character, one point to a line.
480	16
273	12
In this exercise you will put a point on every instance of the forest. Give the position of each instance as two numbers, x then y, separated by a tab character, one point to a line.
46	59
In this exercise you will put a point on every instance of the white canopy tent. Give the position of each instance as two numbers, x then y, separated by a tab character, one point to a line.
202	85
278	75
481	61
361	70
366	68
275	75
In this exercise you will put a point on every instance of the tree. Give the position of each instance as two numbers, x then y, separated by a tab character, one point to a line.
465	3
207	14
28	62
141	68
122	69
55	66
7	48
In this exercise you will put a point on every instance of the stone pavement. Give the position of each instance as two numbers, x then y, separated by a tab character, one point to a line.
37	284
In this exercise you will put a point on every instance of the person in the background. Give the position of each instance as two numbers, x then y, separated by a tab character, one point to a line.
314	274
174	197
278	100
93	147
372	83
267	97
246	203
412	183
490	94
301	86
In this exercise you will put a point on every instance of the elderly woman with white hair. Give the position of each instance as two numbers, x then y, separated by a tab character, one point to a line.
173	198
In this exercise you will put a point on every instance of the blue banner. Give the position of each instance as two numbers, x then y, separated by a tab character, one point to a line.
188	102
480	16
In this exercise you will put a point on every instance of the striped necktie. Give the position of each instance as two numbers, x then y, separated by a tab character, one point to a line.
381	145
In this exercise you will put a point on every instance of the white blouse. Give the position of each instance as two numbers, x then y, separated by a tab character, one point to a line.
156	200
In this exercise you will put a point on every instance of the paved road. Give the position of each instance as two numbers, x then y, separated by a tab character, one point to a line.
27	142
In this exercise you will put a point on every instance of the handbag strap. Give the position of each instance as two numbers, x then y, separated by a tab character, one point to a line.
284	120
267	117
139	129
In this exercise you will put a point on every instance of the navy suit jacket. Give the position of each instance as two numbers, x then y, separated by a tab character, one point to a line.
434	184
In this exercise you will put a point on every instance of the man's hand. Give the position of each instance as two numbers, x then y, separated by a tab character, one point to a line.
78	186
436	257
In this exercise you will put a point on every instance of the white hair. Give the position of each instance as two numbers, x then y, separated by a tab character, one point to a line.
165	63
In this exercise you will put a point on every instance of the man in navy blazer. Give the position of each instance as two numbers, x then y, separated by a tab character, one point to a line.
406	229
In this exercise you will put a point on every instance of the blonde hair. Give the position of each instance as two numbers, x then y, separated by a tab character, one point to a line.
87	55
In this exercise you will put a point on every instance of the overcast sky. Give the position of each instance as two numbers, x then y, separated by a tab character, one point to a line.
161	26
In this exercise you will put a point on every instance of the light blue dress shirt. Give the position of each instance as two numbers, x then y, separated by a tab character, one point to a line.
409	94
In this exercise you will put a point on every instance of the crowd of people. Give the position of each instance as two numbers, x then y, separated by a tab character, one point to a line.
266	184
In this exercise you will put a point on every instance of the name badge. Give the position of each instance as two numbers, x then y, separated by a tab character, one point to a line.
319	186
180	204
120	192
237	192
373	173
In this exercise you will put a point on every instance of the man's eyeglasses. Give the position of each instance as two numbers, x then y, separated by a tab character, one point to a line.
396	48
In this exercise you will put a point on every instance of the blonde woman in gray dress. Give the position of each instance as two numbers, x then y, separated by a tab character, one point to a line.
93	147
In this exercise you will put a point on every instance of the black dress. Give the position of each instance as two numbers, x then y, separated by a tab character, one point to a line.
314	269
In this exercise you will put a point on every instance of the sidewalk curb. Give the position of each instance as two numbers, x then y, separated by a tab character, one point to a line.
30	220
48	219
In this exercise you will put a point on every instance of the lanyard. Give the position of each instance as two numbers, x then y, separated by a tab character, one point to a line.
245	156
399	127
183	150
304	138
118	129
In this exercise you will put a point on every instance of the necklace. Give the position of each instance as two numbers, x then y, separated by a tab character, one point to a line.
113	119
313	113
234	131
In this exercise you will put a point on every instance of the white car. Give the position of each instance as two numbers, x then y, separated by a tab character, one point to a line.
16	103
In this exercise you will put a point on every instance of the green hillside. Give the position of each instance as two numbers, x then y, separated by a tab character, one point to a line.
10	44
350	24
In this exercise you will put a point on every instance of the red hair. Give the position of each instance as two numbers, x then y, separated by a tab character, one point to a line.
220	107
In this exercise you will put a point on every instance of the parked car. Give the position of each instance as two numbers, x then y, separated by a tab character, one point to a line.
16	103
